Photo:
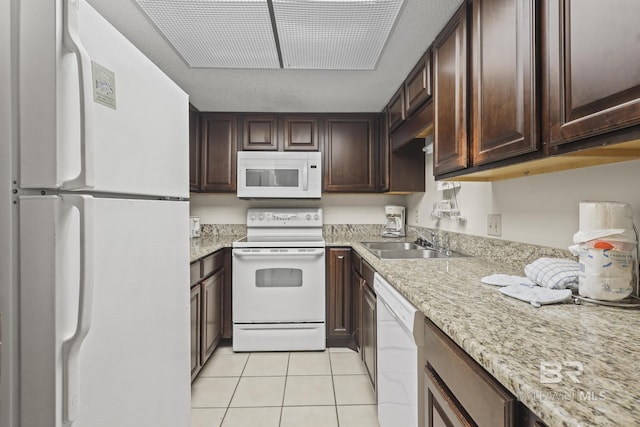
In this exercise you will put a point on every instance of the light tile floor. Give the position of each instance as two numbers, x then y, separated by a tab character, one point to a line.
283	389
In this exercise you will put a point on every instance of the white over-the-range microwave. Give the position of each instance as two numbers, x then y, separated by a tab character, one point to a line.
279	174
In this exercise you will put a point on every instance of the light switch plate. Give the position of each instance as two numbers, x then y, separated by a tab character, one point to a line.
494	225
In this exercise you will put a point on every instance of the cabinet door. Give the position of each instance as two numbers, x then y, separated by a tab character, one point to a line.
300	133
194	149
483	398
593	54
441	408
211	313
368	349
219	133
451	151
504	119
395	110
339	328
260	132
417	85
196	305
350	154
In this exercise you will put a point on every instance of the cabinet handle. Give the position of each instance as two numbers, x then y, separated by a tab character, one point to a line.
71	346
71	40
340	256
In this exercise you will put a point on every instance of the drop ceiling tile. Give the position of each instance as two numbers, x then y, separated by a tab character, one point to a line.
216	33
334	34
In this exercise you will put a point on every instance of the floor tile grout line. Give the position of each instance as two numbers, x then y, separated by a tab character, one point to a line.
226	411
333	385
284	391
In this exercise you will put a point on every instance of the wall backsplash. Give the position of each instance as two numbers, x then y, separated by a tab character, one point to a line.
215	230
540	210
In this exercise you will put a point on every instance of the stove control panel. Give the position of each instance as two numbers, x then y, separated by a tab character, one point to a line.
284	217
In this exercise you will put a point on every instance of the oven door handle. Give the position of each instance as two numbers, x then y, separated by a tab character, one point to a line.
242	253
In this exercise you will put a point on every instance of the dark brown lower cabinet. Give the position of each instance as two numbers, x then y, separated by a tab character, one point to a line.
459	392
441	408
210	277
196	304
339	313
212	291
472	396
369	331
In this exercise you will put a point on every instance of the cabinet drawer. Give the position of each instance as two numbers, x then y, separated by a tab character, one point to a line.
482	397
194	272
212	263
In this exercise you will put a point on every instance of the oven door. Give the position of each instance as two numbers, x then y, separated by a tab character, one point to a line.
278	285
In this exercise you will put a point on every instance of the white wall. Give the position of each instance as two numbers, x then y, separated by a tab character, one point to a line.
338	208
540	209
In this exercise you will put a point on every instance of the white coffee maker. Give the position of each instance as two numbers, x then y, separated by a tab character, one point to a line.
395	221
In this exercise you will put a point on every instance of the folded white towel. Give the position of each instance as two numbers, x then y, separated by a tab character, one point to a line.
506	280
553	273
536	295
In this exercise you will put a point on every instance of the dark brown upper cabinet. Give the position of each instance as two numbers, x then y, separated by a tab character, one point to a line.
194	149
504	118
350	157
593	69
451	152
260	132
395	110
300	132
219	136
417	85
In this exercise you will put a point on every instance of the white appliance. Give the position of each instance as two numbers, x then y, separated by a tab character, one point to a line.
279	174
400	341
278	283
395	226
96	332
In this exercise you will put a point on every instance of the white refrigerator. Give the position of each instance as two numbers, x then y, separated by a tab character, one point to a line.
95	297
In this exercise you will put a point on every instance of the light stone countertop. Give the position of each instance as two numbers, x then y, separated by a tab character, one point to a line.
511	338
206	245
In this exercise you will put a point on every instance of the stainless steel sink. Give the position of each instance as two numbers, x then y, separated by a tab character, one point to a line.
406	250
391	246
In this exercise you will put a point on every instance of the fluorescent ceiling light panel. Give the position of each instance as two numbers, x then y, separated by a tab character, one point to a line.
312	34
217	33
334	34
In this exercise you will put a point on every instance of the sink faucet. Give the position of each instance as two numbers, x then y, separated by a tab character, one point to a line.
423	240
446	249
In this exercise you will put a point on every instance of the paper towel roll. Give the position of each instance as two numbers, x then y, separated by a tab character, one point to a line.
605	215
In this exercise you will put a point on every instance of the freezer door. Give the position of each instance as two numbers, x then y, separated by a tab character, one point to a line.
104	312
95	113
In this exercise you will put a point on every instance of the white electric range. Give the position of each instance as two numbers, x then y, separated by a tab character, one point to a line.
278	284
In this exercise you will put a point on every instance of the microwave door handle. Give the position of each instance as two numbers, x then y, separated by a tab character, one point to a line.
305	177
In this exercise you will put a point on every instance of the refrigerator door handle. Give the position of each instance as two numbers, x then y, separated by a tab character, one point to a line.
71	346
71	40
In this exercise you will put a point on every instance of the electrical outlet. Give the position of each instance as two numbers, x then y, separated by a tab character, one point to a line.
494	225
417	216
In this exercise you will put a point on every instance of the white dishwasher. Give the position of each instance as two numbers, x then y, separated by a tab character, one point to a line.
400	344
